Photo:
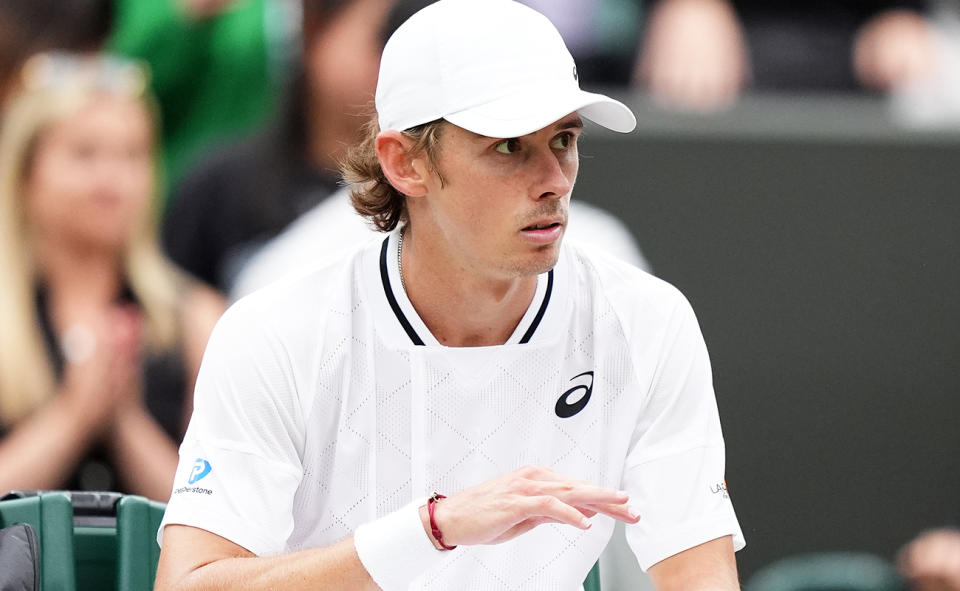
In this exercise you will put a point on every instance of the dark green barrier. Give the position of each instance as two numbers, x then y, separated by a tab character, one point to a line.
91	541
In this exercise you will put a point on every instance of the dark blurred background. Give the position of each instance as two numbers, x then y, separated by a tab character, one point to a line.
818	244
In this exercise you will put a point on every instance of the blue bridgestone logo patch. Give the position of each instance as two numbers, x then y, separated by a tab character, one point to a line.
201	468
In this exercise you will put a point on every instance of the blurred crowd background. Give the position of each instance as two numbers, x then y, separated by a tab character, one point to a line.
160	158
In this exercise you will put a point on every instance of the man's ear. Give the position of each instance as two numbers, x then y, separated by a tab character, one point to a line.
405	172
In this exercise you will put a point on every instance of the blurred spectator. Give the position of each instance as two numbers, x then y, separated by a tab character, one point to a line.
216	66
931	562
602	35
699	54
935	103
244	194
31	26
694	54
101	336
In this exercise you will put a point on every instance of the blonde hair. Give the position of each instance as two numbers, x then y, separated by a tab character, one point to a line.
26	373
372	194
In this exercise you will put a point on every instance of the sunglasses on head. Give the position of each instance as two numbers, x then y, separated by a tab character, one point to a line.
90	71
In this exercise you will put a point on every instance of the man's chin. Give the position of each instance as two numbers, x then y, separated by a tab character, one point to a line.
541	261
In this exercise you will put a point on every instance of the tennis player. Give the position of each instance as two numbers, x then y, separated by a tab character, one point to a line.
465	403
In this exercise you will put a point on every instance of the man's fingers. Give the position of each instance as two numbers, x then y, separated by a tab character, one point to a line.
620	512
519	501
542	480
548	509
585	498
576	493
553	508
587	512
522	528
577	515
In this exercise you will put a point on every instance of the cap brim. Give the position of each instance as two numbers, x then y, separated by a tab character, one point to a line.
522	113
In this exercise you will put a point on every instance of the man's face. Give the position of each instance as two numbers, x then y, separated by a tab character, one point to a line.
501	206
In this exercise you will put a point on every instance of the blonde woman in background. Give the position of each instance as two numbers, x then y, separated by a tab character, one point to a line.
101	337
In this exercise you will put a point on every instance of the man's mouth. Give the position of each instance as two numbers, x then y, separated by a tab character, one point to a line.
542	226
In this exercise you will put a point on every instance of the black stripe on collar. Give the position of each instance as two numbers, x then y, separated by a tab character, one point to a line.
543	308
393	300
408	328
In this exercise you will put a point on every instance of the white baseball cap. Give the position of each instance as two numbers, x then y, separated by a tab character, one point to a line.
493	67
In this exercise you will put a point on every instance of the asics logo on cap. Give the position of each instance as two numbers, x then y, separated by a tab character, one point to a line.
569	404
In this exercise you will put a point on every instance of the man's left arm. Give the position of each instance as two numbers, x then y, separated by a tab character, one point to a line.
709	566
674	471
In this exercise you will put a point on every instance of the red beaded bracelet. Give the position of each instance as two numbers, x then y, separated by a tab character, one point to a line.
431	504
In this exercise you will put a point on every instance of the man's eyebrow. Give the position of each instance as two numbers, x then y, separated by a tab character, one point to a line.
571	124
568	124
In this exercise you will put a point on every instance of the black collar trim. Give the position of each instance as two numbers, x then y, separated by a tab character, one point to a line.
393	300
543	308
408	328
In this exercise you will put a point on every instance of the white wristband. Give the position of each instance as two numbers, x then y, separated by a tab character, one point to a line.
395	549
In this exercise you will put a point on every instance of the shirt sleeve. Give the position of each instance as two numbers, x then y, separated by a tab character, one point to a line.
240	461
675	467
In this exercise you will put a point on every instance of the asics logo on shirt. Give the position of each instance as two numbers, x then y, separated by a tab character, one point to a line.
569	403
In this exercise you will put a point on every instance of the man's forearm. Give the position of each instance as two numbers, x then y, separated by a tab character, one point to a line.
335	567
394	549
707	567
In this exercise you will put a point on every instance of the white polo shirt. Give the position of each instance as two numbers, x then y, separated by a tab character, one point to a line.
324	404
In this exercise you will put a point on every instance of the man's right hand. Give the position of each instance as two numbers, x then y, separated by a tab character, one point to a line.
507	506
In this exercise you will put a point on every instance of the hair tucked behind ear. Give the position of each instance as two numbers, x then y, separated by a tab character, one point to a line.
372	194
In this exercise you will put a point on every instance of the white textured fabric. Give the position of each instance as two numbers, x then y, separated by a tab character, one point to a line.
333	229
315	414
395	549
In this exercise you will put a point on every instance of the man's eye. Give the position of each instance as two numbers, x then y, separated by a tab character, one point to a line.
508	146
562	141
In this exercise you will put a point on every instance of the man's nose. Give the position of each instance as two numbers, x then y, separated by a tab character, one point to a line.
552	181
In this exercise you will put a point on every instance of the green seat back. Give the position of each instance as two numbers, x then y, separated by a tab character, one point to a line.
830	571
95	550
137	550
116	555
592	582
51	515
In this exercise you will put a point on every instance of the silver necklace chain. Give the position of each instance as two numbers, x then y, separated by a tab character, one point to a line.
403	285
